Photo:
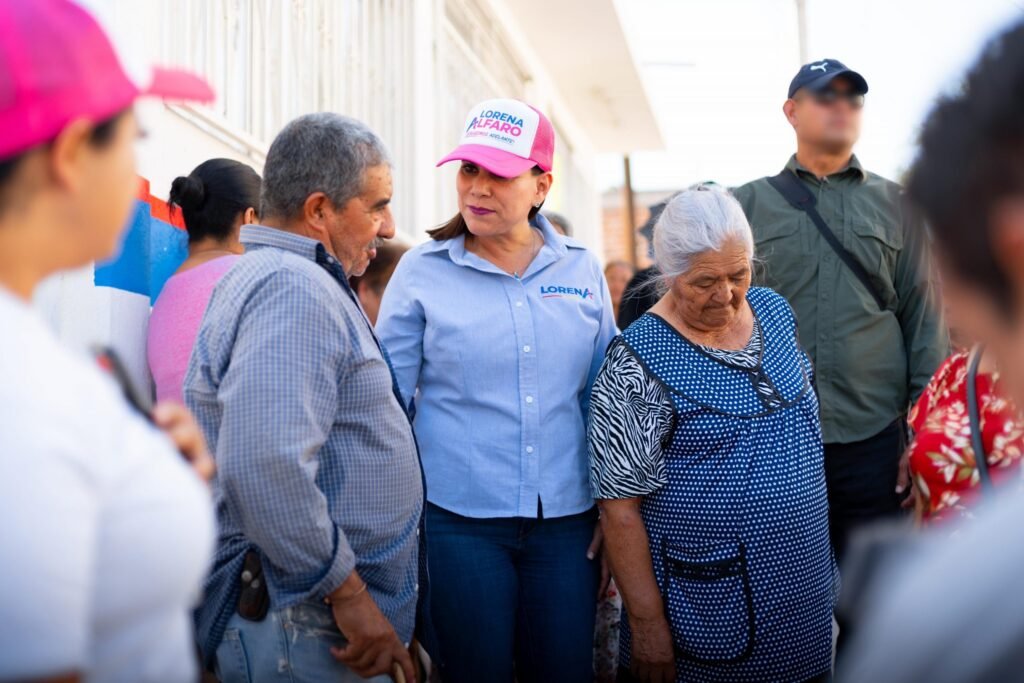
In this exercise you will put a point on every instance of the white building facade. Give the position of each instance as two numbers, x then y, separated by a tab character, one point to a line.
408	68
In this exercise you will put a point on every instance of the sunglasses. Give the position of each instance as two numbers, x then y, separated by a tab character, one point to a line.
828	97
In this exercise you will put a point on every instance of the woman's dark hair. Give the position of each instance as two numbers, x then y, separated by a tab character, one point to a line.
100	136
971	158
213	195
457	225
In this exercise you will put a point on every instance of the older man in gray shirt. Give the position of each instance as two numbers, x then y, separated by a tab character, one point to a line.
319	490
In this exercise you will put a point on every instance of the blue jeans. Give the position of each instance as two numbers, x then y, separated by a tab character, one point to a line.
290	645
513	599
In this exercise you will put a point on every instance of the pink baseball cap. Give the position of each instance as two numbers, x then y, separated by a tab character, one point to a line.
506	137
57	65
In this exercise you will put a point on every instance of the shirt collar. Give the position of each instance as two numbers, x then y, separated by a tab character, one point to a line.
852	168
555	247
256	236
259	236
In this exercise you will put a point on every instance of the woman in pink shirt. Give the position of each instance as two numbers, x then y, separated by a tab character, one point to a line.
216	200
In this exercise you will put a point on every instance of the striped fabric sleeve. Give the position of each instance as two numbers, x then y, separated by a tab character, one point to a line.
631	417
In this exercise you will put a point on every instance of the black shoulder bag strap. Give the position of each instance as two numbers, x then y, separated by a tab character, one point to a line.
802	199
973	413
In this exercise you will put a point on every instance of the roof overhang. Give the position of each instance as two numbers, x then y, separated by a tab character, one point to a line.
584	48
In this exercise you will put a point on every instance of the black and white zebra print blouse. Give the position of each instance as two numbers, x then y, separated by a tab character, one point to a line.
632	419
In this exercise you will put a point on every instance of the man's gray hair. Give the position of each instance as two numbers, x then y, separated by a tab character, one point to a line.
323	152
697	221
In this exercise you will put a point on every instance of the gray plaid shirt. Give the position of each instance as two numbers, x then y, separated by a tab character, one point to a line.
316	460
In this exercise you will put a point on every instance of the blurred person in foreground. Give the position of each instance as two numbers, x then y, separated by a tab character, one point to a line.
950	613
864	309
947	482
107	531
216	199
706	458
319	491
501	323
370	286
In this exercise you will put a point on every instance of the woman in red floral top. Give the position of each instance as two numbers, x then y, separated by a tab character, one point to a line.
941	457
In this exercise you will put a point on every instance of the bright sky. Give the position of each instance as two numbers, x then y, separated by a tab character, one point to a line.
717	74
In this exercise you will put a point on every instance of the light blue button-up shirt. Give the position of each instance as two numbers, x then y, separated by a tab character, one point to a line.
503	366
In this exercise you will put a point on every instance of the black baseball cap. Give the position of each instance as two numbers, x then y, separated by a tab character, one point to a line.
817	75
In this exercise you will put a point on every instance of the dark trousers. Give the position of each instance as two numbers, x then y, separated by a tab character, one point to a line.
861	482
513	599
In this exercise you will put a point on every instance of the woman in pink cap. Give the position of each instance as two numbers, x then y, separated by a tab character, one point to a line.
107	529
500	324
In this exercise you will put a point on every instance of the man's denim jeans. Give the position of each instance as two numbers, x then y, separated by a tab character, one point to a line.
290	645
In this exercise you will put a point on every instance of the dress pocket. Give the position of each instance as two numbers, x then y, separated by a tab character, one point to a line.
709	602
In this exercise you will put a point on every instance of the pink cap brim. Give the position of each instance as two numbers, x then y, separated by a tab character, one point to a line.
496	161
172	84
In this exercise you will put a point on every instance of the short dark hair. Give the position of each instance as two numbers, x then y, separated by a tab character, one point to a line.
972	157
213	195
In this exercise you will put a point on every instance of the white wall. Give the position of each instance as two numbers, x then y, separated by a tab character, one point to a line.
175	143
408	68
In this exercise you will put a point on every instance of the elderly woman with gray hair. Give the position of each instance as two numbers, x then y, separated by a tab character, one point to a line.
707	461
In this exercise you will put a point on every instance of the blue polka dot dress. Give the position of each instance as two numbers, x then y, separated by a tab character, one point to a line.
725	450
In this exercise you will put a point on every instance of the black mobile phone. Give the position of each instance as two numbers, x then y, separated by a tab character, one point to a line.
110	361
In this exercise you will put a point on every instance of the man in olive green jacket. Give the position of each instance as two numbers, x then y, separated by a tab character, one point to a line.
871	361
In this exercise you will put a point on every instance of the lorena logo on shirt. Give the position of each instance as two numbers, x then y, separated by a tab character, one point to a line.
556	292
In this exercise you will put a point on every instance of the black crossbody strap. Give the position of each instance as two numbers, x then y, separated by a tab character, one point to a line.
973	413
802	199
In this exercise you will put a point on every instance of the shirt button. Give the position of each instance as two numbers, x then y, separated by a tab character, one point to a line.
529	399
529	449
519	304
417	588
526	349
